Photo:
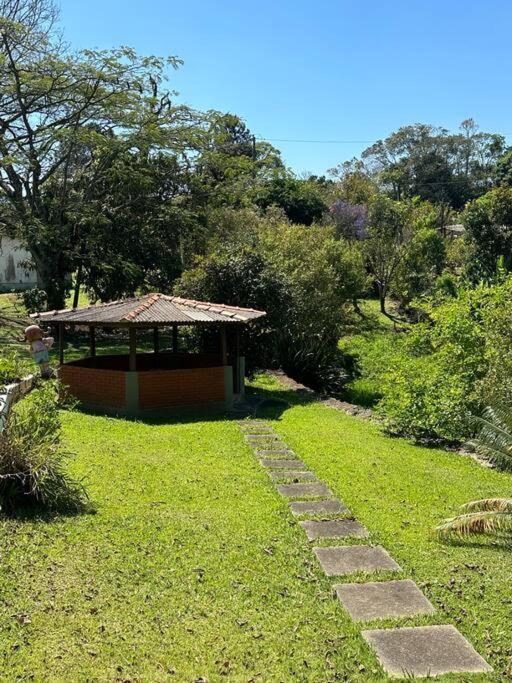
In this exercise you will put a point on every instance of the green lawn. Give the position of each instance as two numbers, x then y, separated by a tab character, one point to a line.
361	334
192	569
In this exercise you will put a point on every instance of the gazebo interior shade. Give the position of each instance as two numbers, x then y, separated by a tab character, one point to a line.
150	310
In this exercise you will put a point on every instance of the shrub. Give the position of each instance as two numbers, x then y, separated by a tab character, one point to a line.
33	470
11	368
303	278
34	299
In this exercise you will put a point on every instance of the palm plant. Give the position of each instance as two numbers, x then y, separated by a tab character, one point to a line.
493	441
487	516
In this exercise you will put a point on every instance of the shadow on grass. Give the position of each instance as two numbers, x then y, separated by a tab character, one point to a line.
495	542
259	403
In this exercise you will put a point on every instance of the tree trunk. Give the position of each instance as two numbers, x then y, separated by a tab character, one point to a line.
78	282
382	299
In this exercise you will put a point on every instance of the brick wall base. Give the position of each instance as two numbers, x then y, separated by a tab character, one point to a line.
134	393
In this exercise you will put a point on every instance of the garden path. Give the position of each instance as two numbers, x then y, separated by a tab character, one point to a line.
417	651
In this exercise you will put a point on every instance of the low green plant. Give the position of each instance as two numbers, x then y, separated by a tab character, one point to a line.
493	440
33	469
11	368
34	299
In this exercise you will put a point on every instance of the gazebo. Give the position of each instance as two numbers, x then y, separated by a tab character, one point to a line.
162	380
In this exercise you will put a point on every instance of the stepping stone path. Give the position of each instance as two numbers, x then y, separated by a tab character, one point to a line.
424	651
349	559
283	464
304	490
294	476
402	652
367	601
318	507
334	528
274	452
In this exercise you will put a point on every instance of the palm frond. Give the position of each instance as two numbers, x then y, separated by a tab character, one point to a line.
489	505
473	523
493	440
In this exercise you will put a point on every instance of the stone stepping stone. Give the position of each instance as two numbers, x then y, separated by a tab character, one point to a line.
367	601
334	528
273	452
283	464
260	433
267	436
338	561
251	424
424	651
318	507
294	475
304	490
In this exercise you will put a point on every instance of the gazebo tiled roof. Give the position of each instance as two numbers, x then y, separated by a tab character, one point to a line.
150	310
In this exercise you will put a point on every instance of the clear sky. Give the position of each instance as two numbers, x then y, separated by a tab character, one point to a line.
321	70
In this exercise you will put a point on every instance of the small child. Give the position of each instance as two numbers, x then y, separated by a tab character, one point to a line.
39	345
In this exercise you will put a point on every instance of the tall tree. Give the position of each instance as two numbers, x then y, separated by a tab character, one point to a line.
435	164
63	118
385	246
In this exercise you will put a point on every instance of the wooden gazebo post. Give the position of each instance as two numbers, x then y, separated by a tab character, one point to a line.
156	340
224	345
61	343
92	340
133	349
175	339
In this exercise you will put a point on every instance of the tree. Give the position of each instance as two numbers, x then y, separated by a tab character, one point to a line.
385	248
488	223
435	164
135	230
231	164
301	200
243	277
503	173
424	255
63	118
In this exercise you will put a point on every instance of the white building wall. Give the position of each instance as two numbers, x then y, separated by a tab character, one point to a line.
13	272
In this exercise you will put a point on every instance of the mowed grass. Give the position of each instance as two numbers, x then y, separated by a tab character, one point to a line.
401	492
193	569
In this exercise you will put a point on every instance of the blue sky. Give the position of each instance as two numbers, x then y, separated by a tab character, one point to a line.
345	70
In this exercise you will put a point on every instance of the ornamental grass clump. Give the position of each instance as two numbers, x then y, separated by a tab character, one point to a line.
33	472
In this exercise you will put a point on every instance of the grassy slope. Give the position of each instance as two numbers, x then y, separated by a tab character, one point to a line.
359	336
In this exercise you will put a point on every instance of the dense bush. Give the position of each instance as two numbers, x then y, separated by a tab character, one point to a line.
440	372
33	470
303	278
34	299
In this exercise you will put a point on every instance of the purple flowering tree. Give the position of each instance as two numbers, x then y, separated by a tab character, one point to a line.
350	219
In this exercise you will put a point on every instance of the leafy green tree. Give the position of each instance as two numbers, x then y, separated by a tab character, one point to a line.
424	258
301	200
385	246
488	223
136	230
435	164
503	173
243	277
231	164
63	117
